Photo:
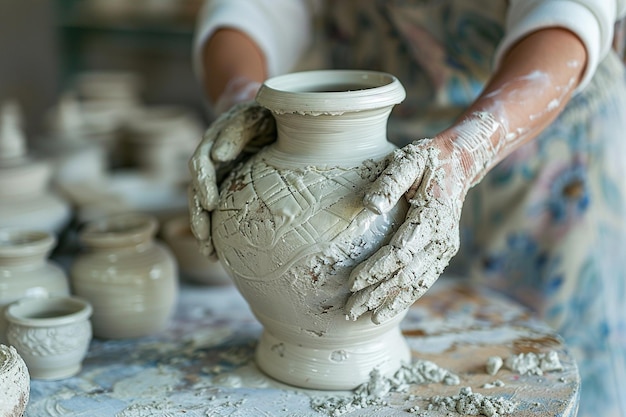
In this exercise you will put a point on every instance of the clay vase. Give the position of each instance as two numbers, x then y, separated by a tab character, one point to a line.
15	383
290	226
129	278
193	266
75	150
26	271
26	199
160	141
51	334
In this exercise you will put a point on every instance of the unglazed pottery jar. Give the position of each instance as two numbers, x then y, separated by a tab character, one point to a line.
75	150
26	271
51	334
161	140
14	381
192	264
25	197
130	279
291	225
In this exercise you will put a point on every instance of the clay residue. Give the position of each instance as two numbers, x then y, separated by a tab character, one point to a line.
534	363
473	404
374	391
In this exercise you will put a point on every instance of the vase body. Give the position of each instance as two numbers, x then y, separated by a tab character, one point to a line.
161	139
192	265
51	334
26	271
130	279
291	225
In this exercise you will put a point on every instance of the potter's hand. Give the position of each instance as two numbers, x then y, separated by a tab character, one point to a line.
240	131
434	175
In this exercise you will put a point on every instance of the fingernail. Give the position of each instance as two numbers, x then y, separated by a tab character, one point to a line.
375	202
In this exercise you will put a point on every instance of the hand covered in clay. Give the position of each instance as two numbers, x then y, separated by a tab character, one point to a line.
239	131
434	175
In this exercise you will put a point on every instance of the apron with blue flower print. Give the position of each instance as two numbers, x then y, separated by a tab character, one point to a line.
547	225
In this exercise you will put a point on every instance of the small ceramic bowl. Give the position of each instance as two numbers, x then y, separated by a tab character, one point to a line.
51	334
193	266
14	381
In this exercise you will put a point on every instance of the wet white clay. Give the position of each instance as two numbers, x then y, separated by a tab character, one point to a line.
534	363
493	365
375	390
291	225
14	382
473	404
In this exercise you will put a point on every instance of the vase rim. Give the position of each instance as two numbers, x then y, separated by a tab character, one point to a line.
330	91
25	242
119	229
48	312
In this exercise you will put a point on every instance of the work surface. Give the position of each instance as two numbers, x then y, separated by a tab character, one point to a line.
203	365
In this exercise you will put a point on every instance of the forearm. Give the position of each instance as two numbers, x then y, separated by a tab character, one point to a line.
527	92
227	55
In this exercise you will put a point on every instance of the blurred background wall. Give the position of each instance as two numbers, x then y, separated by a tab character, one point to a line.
29	57
46	45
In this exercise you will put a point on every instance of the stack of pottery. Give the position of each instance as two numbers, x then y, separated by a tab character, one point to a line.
14	382
26	271
161	140
121	89
76	150
108	100
129	278
26	199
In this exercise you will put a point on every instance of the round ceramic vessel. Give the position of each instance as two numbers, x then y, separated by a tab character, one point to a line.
291	226
14	381
51	334
26	201
25	198
26	271
161	140
130	279
192	264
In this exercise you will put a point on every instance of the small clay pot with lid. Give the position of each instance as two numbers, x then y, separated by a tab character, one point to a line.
129	278
26	271
14	381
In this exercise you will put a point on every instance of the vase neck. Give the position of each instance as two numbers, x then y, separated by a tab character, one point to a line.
336	139
30	261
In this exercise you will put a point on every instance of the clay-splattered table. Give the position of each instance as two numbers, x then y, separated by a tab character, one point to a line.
203	364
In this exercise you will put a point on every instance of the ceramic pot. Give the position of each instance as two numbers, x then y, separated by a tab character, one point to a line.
192	265
161	140
51	334
130	279
75	150
290	226
14	381
25	197
26	271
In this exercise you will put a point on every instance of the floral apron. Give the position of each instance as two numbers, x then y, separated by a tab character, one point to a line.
547	225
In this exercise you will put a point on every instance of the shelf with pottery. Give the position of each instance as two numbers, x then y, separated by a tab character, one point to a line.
62	196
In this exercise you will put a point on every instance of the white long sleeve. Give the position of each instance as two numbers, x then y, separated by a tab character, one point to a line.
591	20
281	28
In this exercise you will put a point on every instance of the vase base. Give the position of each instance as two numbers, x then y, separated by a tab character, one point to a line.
335	367
53	374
